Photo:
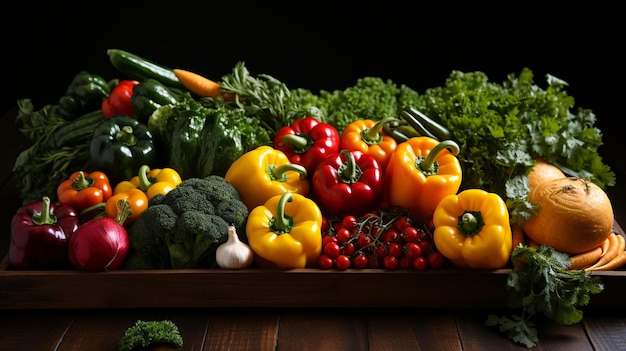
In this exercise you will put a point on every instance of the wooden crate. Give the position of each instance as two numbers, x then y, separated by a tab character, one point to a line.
254	287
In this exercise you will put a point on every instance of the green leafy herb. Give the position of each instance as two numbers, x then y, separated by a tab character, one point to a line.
144	334
503	128
541	283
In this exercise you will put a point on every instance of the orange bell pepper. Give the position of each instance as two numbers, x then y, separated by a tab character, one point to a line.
151	181
421	172
368	137
82	190
135	202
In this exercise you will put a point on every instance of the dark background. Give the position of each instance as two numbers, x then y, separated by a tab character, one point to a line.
319	45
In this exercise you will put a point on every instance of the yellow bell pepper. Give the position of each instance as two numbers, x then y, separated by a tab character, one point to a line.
421	172
472	230
286	232
265	172
151	182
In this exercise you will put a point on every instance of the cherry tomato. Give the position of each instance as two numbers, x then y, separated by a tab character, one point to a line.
342	234
389	236
349	222
373	262
426	245
342	262
325	262
325	224
436	260
395	249
405	262
328	239
412	250
360	261
363	240
390	262
348	249
332	249
420	263
401	223
410	234
381	251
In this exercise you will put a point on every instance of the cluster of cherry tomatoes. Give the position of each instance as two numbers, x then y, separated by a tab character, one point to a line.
381	239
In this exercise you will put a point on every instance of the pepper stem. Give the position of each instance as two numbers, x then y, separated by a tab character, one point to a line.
428	165
349	172
278	173
126	136
282	223
144	181
123	211
373	136
470	223
298	143
82	182
44	217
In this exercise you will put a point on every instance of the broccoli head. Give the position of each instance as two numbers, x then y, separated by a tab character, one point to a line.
195	240
234	212
214	187
148	235
183	228
144	334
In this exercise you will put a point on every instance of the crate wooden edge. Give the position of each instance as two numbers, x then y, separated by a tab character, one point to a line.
266	288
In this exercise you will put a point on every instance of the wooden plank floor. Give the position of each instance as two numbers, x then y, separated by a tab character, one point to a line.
373	328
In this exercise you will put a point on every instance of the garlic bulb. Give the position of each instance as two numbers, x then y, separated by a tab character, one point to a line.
234	253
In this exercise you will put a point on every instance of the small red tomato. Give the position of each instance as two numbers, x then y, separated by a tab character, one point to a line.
328	239
436	260
389	236
332	249
420	263
401	223
342	235
349	222
363	240
426	245
395	249
348	249
405	262
360	261
412	250
390	263
342	262
325	262
410	234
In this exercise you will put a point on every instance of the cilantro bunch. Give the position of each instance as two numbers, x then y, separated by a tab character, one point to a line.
541	283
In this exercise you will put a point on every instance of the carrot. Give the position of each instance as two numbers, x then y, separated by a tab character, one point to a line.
586	259
518	235
616	245
198	84
613	264
605	245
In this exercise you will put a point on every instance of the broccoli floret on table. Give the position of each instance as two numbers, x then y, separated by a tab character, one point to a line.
144	334
183	228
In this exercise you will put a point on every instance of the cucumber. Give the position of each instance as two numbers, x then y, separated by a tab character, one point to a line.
139	68
75	132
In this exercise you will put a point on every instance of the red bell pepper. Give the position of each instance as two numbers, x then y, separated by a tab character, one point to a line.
40	232
119	102
347	183
307	141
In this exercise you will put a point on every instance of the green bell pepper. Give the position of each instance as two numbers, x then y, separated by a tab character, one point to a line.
149	95
84	94
120	146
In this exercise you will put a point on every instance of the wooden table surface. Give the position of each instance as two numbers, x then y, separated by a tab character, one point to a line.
372	328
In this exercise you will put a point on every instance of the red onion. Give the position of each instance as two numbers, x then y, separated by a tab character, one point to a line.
100	244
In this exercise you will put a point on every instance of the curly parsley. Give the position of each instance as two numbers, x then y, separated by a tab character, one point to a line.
541	283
